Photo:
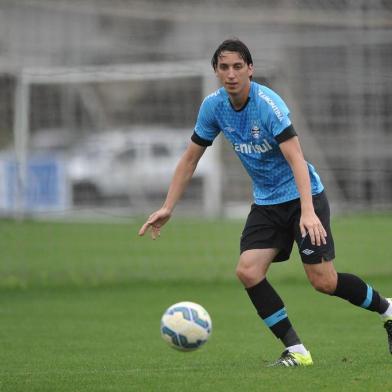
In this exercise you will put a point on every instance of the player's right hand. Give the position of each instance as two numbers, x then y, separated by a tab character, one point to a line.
154	223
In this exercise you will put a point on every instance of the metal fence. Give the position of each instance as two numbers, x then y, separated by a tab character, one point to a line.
74	72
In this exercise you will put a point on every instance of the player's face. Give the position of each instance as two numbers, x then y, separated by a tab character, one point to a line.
234	73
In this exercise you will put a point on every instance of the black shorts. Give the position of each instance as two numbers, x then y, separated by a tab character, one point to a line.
277	226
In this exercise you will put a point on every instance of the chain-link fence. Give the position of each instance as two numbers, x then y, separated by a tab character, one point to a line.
99	98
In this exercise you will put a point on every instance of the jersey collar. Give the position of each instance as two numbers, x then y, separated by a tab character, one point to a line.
245	104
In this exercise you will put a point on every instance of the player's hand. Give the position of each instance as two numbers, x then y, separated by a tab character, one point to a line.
310	224
155	221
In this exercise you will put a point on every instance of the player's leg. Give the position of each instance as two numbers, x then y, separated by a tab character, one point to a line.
320	270
252	272
263	242
322	276
253	265
325	279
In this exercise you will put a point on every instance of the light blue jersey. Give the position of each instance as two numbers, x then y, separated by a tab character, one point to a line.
255	132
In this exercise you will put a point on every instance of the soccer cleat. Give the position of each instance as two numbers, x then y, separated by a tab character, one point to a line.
388	327
291	359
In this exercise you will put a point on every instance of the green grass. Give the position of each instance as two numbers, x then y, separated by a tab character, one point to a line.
80	306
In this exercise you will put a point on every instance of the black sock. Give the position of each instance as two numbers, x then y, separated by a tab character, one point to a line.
291	338
356	291
270	308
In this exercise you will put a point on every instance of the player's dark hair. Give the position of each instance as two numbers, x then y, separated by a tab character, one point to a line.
232	45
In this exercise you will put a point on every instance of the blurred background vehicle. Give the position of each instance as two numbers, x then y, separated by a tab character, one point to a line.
52	141
127	164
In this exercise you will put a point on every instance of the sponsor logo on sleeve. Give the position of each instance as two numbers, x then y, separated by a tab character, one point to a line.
273	105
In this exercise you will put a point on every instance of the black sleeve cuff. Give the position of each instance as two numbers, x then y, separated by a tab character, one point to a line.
287	134
200	141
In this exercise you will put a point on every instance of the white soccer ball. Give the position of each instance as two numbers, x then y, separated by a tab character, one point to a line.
186	326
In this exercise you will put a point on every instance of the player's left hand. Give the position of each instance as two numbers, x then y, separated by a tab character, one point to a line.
311	224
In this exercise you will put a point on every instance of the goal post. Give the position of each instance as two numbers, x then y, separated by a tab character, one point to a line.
100	76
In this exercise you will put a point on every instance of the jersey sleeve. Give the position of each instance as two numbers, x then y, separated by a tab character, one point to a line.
278	117
206	128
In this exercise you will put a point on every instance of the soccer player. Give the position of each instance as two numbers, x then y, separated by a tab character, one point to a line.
289	199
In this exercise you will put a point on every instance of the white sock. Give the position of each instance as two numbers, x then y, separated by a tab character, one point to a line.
388	312
298	348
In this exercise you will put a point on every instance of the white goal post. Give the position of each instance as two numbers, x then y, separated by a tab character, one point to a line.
28	77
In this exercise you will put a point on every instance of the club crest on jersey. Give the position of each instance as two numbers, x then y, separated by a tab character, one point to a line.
255	131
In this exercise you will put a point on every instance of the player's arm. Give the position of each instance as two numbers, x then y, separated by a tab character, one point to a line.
182	175
309	223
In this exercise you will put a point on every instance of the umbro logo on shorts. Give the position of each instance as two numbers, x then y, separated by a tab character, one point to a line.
307	252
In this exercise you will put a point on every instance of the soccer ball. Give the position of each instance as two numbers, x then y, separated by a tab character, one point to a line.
186	326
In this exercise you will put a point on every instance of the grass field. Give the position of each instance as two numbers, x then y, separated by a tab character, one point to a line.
80	306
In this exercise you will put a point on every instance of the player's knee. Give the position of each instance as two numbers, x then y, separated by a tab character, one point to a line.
247	273
323	284
243	273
